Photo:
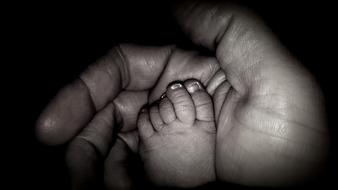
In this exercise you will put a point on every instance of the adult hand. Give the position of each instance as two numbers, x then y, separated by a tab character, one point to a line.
89	110
271	126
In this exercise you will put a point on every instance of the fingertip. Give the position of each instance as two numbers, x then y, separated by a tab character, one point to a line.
44	132
65	115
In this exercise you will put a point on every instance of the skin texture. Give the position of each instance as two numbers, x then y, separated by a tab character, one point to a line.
177	137
269	111
271	122
76	104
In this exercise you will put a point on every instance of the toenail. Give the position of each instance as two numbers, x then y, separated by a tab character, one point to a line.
194	86
175	86
143	110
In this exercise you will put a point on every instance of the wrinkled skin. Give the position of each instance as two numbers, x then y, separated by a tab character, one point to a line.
271	126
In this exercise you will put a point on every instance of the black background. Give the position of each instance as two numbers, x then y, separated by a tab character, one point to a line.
51	43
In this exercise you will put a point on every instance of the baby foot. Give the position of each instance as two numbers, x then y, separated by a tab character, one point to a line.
177	137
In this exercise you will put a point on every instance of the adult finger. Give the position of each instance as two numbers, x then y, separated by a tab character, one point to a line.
125	67
116	175
119	163
128	104
86	152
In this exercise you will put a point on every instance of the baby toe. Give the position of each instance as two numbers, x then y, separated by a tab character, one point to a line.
202	100
155	117
167	111
144	125
182	102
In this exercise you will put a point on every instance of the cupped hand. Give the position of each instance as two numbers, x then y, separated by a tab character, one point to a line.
270	116
271	122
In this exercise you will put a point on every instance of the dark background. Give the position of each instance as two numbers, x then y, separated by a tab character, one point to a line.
52	43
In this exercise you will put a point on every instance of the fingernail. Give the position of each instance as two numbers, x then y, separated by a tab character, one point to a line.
194	86
176	86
